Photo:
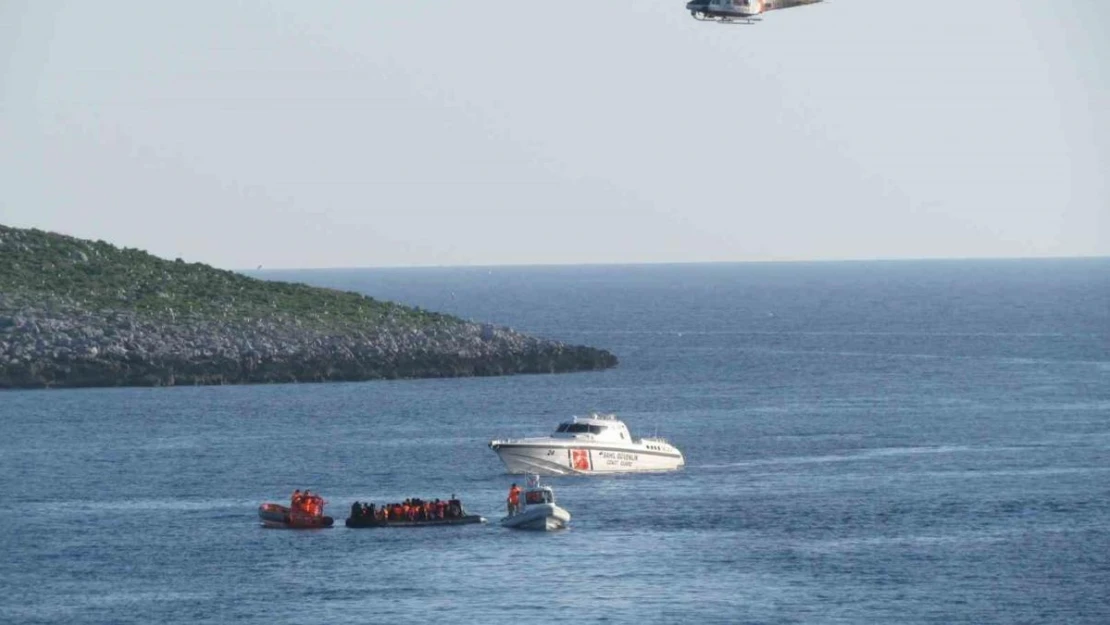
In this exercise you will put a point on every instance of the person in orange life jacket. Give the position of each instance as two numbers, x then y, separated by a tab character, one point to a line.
514	499
313	504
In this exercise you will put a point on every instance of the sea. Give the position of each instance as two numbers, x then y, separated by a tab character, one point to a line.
866	442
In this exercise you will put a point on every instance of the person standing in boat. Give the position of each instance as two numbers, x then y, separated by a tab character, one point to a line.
312	504
514	499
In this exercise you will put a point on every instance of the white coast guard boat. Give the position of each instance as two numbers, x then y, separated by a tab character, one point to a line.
537	510
599	443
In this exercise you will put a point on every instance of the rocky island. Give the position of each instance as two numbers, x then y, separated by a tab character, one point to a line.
79	313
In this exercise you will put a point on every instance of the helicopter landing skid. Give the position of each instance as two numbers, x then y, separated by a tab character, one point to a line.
720	19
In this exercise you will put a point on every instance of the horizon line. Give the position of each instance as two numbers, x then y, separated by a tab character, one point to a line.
683	263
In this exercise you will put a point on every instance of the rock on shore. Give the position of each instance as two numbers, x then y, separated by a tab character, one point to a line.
77	313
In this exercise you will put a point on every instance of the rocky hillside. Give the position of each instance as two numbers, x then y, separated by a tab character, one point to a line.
86	313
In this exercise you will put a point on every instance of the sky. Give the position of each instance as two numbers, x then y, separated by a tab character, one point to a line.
293	134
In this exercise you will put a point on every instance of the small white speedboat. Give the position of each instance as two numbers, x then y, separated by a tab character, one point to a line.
538	510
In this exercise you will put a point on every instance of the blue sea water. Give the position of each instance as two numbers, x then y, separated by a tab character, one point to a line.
911	442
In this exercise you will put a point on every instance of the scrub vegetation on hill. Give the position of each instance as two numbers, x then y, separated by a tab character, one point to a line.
75	312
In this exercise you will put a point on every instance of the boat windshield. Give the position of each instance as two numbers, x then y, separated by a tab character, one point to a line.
580	428
538	496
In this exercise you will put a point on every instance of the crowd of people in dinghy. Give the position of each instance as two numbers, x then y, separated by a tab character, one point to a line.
408	510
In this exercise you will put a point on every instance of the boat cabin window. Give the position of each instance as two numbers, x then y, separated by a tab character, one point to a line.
581	428
537	496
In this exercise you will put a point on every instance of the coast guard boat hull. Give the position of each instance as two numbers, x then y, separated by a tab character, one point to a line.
598	444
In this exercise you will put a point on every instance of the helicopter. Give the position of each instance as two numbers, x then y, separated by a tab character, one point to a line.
739	11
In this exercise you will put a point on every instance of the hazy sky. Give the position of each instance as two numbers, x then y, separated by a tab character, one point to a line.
379	133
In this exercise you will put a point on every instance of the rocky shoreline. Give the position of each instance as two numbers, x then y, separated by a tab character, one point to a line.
59	345
77	313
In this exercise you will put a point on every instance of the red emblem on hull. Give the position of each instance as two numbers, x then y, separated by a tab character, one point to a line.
580	459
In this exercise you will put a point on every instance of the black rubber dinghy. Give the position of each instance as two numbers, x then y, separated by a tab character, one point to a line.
460	520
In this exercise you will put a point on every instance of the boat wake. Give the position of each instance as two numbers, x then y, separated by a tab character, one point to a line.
860	456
